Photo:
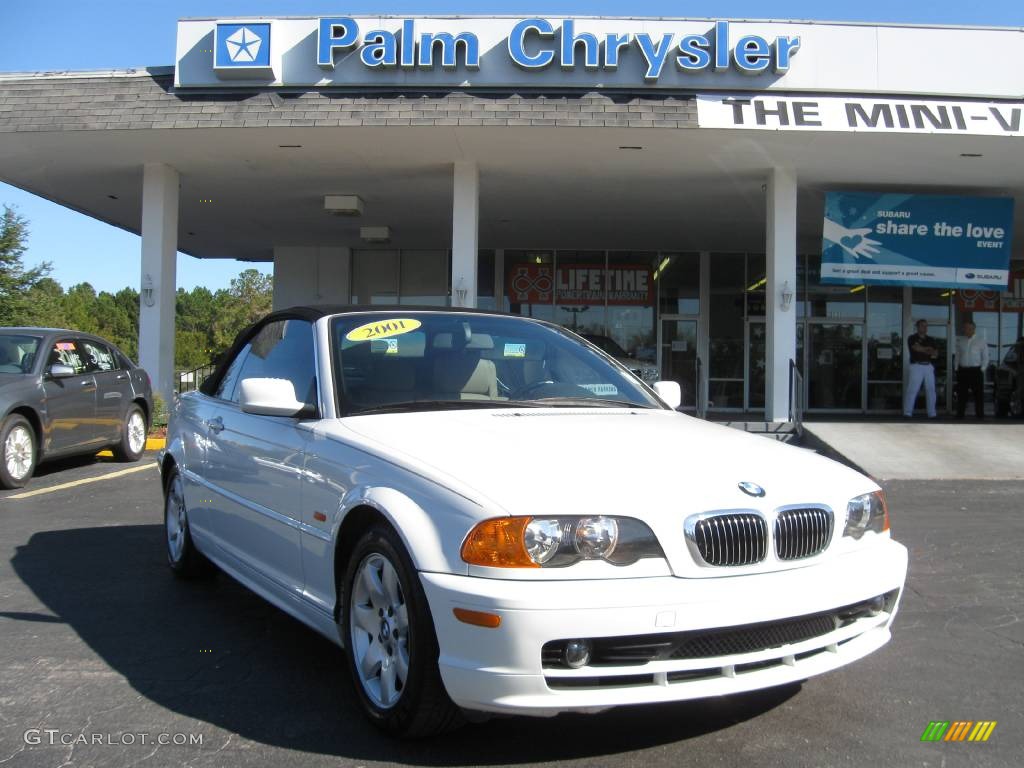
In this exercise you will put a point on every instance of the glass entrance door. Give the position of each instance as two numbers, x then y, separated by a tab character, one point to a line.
678	358
757	349
835	362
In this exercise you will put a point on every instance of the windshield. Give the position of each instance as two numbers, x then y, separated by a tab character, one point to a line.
436	360
17	352
606	344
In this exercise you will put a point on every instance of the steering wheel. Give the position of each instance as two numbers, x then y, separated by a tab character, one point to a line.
523	392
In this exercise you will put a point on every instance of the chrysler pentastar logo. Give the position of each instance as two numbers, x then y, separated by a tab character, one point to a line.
751	489
243	46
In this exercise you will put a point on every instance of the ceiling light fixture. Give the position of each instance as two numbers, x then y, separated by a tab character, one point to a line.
343	205
375	234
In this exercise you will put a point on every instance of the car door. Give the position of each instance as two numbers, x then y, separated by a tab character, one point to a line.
255	463
113	387
72	423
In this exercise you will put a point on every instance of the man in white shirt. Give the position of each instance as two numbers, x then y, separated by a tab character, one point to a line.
971	362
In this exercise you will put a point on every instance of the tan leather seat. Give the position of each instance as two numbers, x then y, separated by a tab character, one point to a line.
464	376
462	373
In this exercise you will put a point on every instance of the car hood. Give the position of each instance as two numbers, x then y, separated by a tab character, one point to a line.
598	461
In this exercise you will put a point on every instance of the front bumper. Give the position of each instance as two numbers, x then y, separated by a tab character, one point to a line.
500	670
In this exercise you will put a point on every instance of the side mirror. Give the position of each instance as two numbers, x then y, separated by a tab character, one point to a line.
272	397
59	371
670	392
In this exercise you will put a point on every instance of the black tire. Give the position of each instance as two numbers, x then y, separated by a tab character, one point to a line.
124	451
22	452
422	707
184	560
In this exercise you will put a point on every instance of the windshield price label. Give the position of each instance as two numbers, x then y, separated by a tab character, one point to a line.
383	329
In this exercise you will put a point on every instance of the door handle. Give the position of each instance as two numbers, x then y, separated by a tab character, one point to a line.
86	383
120	377
215	425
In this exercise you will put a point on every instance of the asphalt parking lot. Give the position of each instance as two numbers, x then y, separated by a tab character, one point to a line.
96	638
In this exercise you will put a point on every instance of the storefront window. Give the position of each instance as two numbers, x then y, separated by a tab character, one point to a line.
726	345
832	302
580	291
530	283
485	280
677	276
630	313
374	277
885	348
423	278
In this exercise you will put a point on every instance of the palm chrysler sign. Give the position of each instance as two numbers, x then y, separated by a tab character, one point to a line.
341	50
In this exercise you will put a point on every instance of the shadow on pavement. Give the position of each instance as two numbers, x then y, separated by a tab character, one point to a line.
215	652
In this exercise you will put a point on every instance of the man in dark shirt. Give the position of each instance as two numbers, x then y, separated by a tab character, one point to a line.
924	350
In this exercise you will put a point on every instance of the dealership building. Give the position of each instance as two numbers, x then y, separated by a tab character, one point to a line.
665	186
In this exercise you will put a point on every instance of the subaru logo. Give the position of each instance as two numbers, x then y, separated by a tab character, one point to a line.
751	489
242	46
969	275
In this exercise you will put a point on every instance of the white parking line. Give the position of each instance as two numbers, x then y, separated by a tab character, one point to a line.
85	481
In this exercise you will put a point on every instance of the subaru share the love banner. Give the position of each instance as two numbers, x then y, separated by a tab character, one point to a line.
925	240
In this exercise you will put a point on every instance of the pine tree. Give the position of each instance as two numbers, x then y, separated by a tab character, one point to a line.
16	282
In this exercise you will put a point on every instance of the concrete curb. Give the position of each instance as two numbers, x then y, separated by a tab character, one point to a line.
152	444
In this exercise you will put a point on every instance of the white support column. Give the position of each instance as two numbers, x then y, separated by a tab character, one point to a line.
780	251
465	233
158	286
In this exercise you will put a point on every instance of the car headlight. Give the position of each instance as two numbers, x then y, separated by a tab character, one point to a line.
554	542
867	513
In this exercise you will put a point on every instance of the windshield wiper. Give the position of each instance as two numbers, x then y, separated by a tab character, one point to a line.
597	402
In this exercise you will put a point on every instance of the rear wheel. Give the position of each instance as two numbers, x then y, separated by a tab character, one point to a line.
133	435
19	451
390	641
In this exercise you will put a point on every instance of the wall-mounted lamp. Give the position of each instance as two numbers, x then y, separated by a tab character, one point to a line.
787	297
460	291
147	291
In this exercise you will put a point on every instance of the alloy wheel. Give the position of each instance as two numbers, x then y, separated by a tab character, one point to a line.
176	519
136	432
18	453
379	631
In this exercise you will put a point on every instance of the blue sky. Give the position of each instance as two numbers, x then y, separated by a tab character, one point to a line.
97	34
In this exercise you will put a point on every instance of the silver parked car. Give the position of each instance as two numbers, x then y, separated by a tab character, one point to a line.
64	393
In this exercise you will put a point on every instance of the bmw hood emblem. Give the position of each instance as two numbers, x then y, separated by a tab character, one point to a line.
751	489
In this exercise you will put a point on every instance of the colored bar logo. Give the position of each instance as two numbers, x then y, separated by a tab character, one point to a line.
958	730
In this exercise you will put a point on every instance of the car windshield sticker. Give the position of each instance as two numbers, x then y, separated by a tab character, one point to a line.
383	329
392	348
65	346
515	350
602	390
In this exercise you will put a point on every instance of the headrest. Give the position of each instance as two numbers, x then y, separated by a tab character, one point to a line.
477	341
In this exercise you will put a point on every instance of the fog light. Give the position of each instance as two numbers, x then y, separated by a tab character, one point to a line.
876	605
577	653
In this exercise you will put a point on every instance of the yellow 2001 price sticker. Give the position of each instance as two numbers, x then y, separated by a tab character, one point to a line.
383	329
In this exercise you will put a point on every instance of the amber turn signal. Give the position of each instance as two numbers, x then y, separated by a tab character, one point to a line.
477	618
498	543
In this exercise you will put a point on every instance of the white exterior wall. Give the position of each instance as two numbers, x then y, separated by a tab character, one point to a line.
306	275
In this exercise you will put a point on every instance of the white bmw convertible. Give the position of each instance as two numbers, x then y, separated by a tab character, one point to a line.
490	514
